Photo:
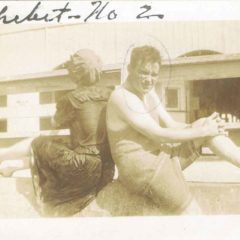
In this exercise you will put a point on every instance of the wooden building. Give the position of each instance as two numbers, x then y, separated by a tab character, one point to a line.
199	75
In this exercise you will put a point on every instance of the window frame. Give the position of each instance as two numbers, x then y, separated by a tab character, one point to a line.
5	120
181	106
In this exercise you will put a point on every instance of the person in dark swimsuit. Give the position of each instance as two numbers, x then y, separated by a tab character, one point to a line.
73	171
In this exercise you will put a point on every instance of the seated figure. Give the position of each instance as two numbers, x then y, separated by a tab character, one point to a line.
149	147
67	171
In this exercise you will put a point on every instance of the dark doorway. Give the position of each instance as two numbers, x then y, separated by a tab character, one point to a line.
223	96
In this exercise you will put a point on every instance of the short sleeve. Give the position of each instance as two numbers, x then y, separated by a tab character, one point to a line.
64	112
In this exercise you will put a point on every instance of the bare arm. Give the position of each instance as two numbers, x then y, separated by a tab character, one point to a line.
132	111
167	119
169	122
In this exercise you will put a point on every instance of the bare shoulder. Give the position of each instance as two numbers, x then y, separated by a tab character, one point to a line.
116	95
122	97
156	98
115	120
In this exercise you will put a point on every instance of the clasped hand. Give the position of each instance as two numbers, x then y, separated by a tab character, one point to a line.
213	125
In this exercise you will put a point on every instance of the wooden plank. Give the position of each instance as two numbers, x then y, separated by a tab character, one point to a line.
180	69
205	59
36	85
204	71
55	73
48	82
65	132
25	134
32	111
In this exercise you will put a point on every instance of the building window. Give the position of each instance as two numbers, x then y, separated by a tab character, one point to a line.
172	98
3	125
3	101
45	123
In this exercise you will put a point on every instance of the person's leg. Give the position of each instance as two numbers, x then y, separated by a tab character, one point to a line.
17	151
8	167
225	148
221	145
168	188
15	157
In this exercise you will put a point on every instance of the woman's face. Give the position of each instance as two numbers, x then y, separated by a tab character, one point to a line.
144	76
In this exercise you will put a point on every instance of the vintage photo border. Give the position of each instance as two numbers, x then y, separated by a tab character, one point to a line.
202	227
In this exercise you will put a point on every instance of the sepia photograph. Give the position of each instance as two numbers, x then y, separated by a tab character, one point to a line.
120	119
